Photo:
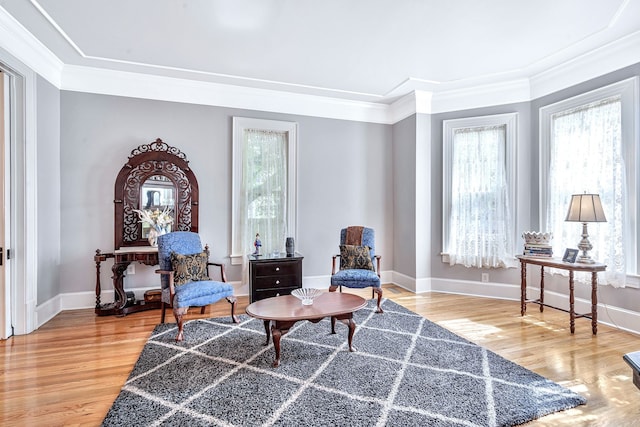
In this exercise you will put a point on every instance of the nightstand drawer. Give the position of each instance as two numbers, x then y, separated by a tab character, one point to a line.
268	293
277	281
281	268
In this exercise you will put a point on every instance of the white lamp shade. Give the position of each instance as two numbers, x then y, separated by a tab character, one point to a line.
585	208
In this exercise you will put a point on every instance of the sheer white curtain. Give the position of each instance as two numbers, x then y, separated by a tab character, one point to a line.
586	155
264	189
480	229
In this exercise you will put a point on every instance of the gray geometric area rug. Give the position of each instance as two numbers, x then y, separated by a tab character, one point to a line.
407	371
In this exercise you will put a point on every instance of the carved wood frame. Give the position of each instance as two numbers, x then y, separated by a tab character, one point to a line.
155	158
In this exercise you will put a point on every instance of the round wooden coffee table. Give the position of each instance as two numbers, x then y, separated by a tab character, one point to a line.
282	312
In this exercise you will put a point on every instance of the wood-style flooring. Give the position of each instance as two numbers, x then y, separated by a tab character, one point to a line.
69	371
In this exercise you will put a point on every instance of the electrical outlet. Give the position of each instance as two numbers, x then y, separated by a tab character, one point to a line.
485	277
131	269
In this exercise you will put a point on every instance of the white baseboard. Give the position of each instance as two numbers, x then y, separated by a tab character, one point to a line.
617	317
473	288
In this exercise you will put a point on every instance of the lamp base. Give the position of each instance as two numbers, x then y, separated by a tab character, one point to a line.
585	246
585	259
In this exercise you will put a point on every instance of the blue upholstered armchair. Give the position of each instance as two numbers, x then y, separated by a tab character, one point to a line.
357	269
185	280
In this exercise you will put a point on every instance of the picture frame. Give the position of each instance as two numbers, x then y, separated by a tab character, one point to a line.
570	255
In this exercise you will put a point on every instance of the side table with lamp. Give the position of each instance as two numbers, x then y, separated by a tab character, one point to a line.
583	208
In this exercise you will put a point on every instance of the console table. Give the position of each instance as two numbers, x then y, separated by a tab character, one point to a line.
122	258
271	275
571	267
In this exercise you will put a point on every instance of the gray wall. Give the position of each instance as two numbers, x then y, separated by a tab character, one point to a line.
404	200
48	195
344	178
385	177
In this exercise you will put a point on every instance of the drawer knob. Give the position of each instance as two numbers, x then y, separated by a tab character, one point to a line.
277	282
277	268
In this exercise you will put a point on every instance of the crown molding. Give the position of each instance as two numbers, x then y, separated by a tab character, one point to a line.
137	85
606	59
438	98
507	92
21	44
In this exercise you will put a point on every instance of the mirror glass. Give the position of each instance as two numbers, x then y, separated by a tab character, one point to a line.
157	195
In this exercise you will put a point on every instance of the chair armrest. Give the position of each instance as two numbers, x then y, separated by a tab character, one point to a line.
172	288
223	275
333	264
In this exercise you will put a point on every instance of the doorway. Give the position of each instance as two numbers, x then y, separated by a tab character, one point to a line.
6	328
18	298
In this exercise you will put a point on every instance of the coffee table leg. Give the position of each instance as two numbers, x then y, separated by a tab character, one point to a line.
278	329
352	329
267	329
347	319
277	334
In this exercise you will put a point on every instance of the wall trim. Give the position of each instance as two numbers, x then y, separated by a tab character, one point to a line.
146	86
614	56
29	50
609	315
440	98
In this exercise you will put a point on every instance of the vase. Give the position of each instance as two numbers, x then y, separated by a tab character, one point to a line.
152	237
154	232
290	246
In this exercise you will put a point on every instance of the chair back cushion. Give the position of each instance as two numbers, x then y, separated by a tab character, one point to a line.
180	242
358	257
368	238
189	268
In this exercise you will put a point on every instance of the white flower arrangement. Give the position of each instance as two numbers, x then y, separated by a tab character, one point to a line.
157	219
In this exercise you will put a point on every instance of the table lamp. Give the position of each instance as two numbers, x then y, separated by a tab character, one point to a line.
585	208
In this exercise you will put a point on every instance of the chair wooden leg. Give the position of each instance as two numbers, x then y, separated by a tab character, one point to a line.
162	313
202	309
232	301
333	288
379	292
179	315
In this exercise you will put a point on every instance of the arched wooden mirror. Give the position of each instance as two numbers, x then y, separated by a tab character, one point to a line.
157	176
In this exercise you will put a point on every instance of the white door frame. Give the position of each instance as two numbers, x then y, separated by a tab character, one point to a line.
23	212
6	329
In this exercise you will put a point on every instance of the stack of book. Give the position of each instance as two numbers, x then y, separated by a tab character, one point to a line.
538	250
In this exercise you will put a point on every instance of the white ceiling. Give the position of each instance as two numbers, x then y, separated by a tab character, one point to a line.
362	50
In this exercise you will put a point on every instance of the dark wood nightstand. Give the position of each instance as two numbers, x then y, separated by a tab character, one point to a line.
274	275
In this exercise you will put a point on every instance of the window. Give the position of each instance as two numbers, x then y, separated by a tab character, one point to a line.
588	144
264	185
479	185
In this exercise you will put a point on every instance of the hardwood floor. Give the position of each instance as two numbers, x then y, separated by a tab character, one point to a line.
70	370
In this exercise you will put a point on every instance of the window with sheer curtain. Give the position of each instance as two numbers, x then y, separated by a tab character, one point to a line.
264	185
584	148
478	189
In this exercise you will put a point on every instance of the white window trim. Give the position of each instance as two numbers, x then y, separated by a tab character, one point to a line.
628	92
240	124
510	120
